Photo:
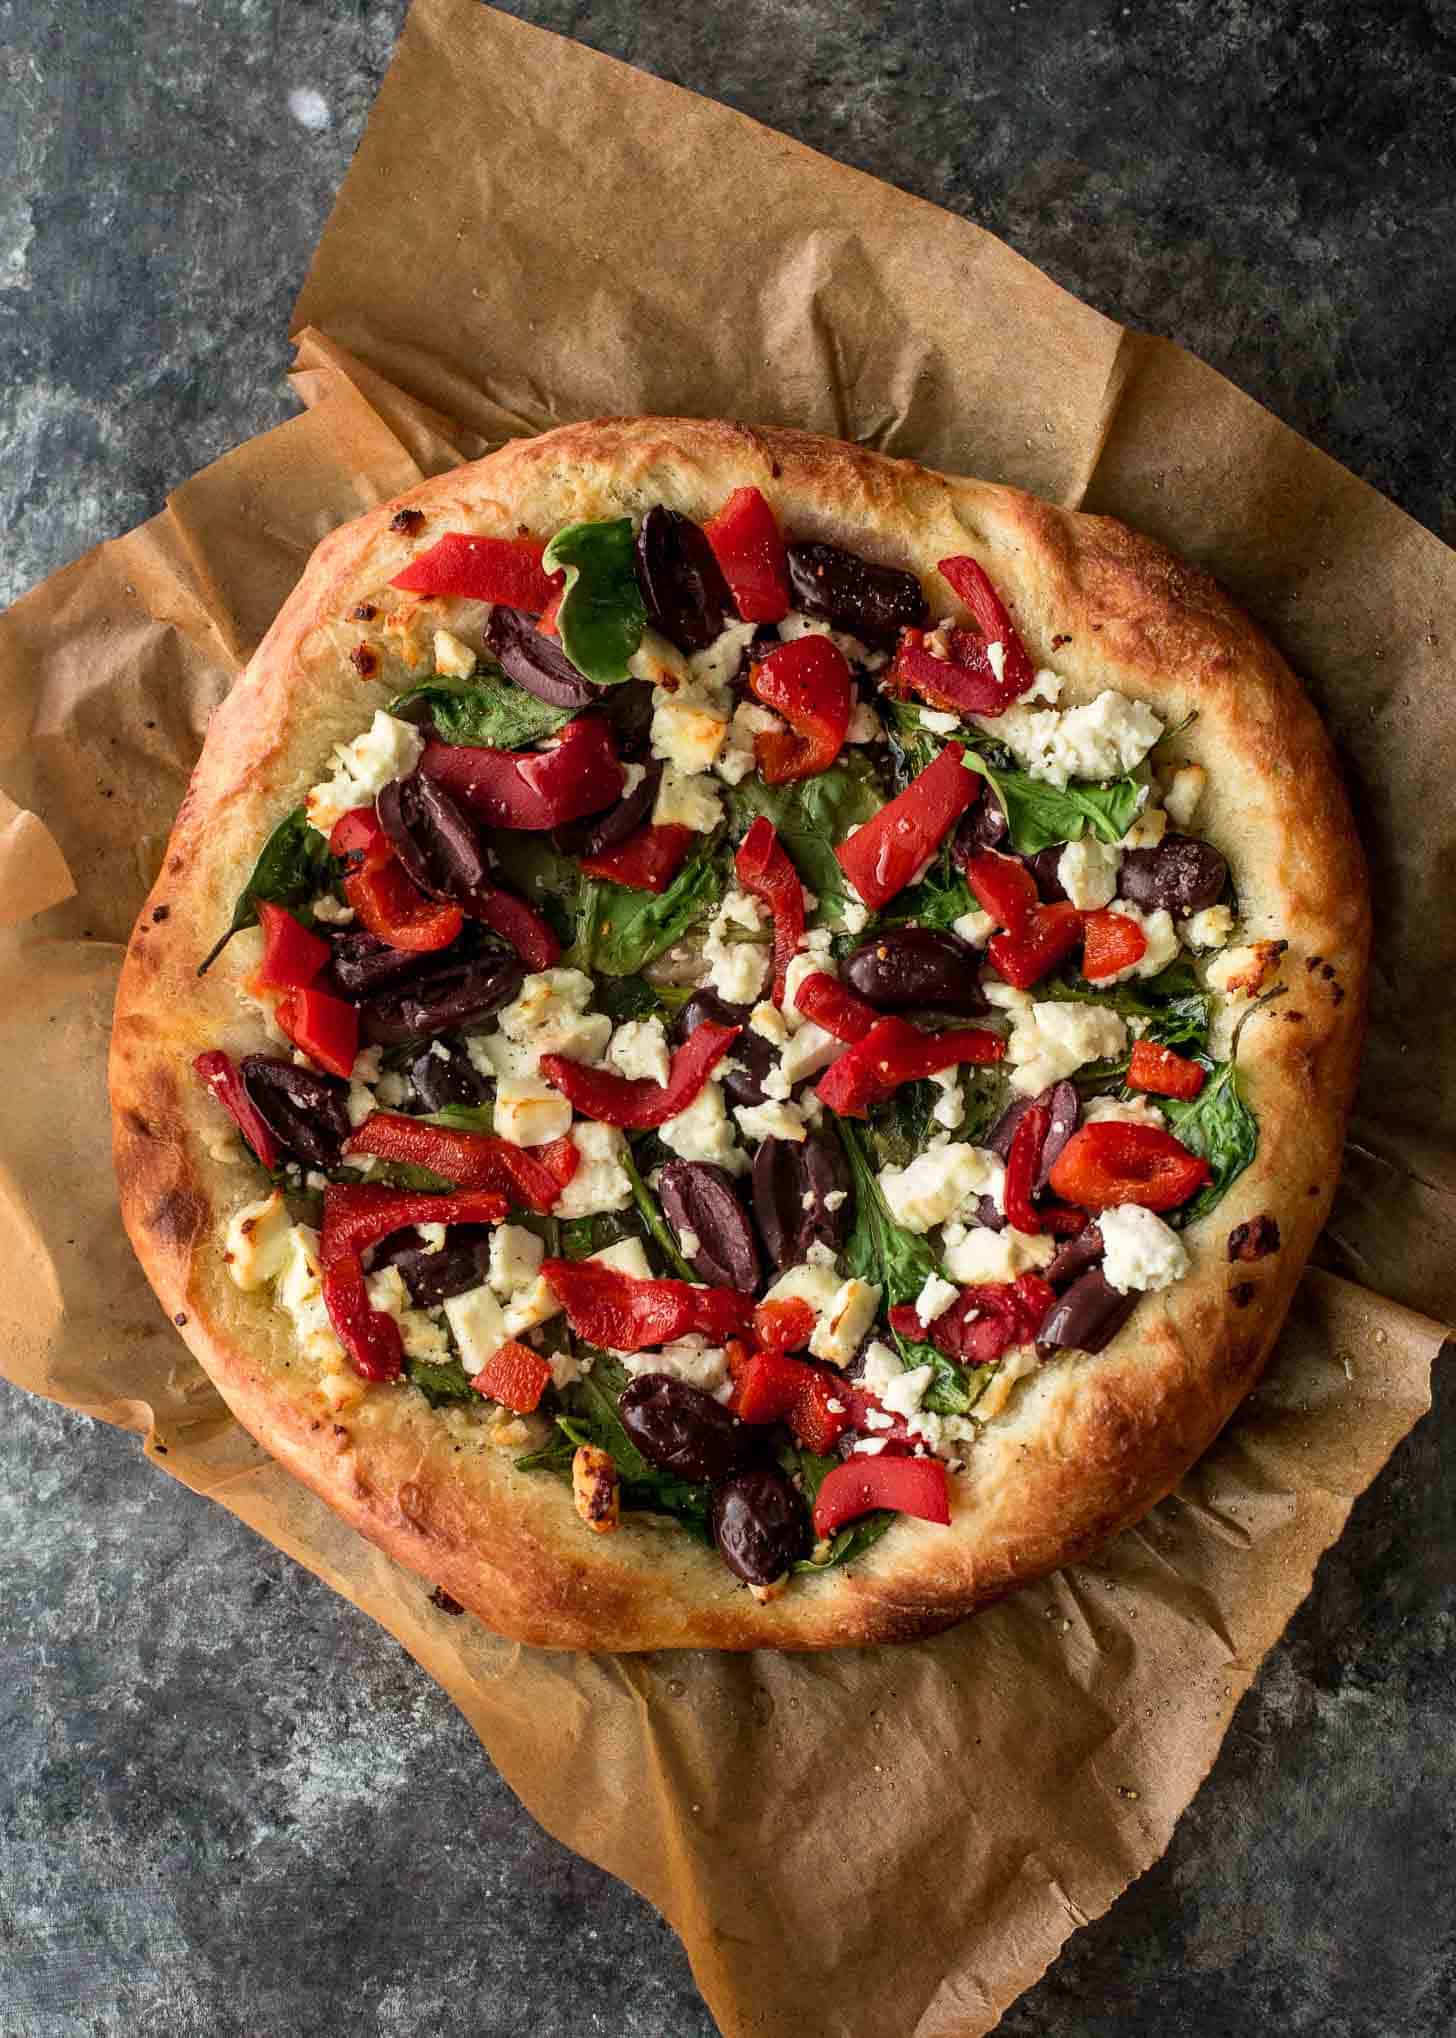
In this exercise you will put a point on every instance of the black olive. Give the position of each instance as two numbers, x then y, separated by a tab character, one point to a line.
1182	875
873	603
438	844
535	662
306	1112
983	826
682	585
1074	1256
701	1200
441	1080
1065	1106
444	999
759	1525
600	832
459	1265
1043	867
680	1429
916	968
362	964
755	1056
1087	1317
794	1184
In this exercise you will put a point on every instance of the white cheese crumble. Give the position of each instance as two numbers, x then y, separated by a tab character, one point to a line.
1087	872
703	1132
816	1285
684	801
515	1259
1104	738
1160	935
737	758
949	1108
688	732
810	1050
737	970
478	1325
388	749
770	1121
625	1257
333	912
256	1245
1054	1040
938	721
796	624
974	928
716	667
1185	790
691	1359
1141	1252
984	1255
934	1298
1148	830
843	1323
1212	928
659	662
548	1015
420	1335
453	658
639	1051
932	1187
600	1183
1134	1111
529	1112
768	1022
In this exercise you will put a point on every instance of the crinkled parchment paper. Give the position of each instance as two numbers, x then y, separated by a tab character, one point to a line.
567	237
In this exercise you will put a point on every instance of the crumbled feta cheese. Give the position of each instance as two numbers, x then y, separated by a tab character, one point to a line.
600	1182
1212	928
1005	997
703	1132
639	1051
256	1244
548	1015
392	1089
749	720
975	928
453	658
333	912
1160	935
836	1199
660	663
1054	1040
996	658
984	1255
796	624
810	961
529	1112
388	749
1087	872
431	1237
1015	1365
1247	969
478	1324
1140	1251
691	1359
688	1242
420	1335
950	1106
770	1121
938	722
1185	790
717	666
809	1050
625	1257
868	1447
1135	1111
934	1298
1148	830
737	969
843	1323
360	1103
515	1258
816	1285
768	1022
1102	739
855	916
933	1186
529	1308
687	733
687	802
299	1293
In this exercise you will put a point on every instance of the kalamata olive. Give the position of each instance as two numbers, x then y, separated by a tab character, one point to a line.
1065	1106
989	1214
600	832
1087	1317
362	964
873	603
983	826
1043	867
306	1112
535	662
916	968
459	1265
680	1429
1074	1257
759	1525
686	595
446	998
700	1202
1182	874
796	1196
443	1079
752	1055
438	844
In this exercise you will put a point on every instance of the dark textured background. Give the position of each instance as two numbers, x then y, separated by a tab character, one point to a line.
231	1806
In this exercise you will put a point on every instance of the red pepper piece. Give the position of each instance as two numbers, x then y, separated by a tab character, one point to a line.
637	1101
785	1326
515	1376
1112	1162
624	1314
217	1072
474	1160
1022	1162
327	1029
292	957
387	900
984	1321
1112	943
1004	888
835	1007
648	860
1162	1072
971	583
1025	957
358	837
749	549
773	1388
356	1218
882	857
915	1486
764	869
529	934
546	621
807	682
963	682
532	789
894	1052
506	570
818	1426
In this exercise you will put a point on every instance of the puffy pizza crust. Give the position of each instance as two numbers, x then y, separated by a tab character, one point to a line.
1087	1445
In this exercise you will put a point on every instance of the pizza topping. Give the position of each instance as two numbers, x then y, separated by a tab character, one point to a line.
1047	937
292	957
356	1218
517	923
759	1526
750	553
433	1272
915	969
984	1321
434	1000
515	1376
1102	739
596	1488
829	1005
682	585
1140	1252
305	1113
680	1429
886	853
216	1071
1112	944
647	861
801	1197
532	789
1181	876
325	1028
765	872
915	1486
1162	1071
505	570
1023	1171
472	1160
1087	1317
535	661
1111	1163
610	828
894	1052
807	683
710	1225
752	1059
619	1100
388	903
438	845
873	603
387	749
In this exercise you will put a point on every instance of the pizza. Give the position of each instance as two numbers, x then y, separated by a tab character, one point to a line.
740	1043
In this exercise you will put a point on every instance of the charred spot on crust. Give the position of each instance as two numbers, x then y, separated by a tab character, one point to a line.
178	1217
1254	1240
160	913
364	659
443	1600
364	613
1242	1294
407	520
180	1318
136	1124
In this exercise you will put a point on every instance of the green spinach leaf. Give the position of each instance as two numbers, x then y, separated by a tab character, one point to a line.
489	710
293	865
810	1470
812	816
1039	815
440	1385
624	998
879	1249
632	928
601	616
1220	1128
582	1236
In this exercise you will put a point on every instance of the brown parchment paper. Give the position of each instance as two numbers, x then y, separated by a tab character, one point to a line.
567	237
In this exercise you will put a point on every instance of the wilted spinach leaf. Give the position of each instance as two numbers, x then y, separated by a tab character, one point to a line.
489	710
1039	815
1220	1128
601	615
440	1385
293	866
650	1212
812	816
879	1249
634	927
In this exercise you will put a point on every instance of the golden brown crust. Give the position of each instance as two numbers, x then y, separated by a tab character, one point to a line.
1087	1445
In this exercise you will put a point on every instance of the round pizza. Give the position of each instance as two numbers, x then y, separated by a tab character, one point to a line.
740	1043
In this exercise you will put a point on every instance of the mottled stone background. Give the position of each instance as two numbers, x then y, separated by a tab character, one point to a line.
231	1806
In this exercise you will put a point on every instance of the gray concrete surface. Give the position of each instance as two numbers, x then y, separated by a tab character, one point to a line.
231	1806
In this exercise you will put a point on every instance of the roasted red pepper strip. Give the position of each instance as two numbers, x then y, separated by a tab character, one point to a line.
808	682
388	902
882	857
749	549
217	1072
532	789
515	1376
506	570
474	1160
915	1486
785	1326
835	1007
636	1101
292	957
1162	1072
529	934
648	860
984	1321
773	1388
1112	1162
1026	956
894	1052
624	1314
1113	943
970	582
326	1028
764	869
963	682
1022	1162
356	1218
1004	888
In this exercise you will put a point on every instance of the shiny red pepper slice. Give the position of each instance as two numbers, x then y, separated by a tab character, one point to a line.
963	682
773	1388
1112	1162
532	789
1163	1073
1112	943
292	957
356	1218
764	869
637	1101
390	905
473	1160
621	1313
984	1321
882	857
215	1070
1023	1164
515	1376
1004	888
528	932
749	549
915	1486
971	583
648	860
808	682
894	1052
1025	957
506	570
326	1028
784	1326
832	1005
